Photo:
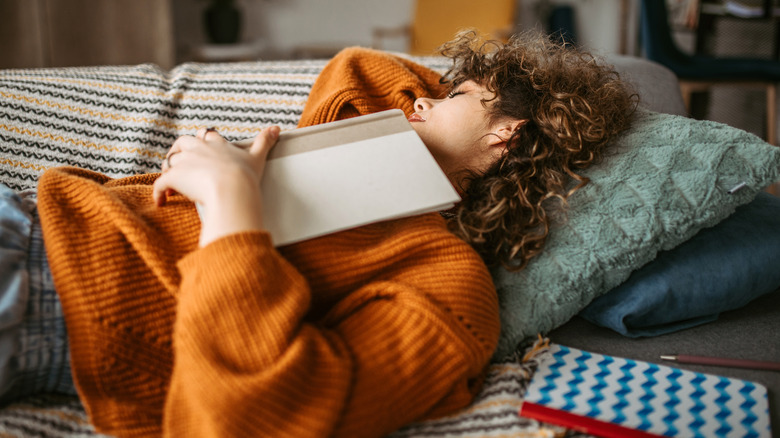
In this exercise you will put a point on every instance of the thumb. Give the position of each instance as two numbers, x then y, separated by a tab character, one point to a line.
264	142
160	189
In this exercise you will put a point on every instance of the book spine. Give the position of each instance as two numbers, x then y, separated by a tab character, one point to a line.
580	423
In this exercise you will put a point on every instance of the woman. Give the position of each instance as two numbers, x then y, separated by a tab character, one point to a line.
185	327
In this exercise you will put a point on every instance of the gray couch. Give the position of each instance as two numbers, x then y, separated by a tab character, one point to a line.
121	120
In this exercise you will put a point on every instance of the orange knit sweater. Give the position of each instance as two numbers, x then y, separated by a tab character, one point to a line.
351	334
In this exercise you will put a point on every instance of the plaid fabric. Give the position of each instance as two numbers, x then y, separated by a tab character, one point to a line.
40	361
44	362
35	352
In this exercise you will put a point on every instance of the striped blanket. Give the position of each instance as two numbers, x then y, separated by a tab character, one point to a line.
120	121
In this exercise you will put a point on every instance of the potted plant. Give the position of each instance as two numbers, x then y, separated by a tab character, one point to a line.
223	21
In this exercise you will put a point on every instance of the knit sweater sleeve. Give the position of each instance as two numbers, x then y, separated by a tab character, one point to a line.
248	362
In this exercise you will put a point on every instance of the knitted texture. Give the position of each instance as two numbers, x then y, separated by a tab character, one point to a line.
665	179
362	81
351	334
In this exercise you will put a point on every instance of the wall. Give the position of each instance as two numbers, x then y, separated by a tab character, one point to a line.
284	26
598	24
294	23
21	35
57	33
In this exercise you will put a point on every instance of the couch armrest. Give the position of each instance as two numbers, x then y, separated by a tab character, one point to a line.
658	87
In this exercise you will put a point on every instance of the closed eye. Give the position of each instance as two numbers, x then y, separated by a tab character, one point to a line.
452	94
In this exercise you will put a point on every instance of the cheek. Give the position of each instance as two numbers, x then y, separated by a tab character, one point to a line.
478	154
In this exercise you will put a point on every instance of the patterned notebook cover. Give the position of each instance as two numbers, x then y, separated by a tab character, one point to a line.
613	396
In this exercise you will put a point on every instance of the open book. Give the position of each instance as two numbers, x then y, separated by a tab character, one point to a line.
335	176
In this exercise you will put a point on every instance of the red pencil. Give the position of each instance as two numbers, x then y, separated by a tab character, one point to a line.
581	423
723	362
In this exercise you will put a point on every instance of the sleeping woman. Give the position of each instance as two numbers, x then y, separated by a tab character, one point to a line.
176	326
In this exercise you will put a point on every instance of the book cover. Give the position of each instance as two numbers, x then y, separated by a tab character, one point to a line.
615	397
335	176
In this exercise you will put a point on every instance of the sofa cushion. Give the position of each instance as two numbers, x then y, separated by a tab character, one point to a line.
720	268
667	178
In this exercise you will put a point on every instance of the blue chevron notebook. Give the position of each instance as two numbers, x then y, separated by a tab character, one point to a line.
615	397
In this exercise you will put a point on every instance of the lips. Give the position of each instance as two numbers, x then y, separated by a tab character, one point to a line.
416	118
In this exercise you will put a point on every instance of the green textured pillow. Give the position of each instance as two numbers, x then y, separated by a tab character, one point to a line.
666	178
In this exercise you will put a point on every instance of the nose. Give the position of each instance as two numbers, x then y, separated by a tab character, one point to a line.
424	103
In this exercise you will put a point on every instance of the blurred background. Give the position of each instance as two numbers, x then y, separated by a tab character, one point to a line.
74	32
57	33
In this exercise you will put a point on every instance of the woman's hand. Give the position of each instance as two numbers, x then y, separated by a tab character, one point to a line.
224	179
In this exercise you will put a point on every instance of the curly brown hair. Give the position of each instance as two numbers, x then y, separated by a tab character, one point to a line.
574	105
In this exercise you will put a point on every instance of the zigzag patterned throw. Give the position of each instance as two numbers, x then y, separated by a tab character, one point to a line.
121	120
611	396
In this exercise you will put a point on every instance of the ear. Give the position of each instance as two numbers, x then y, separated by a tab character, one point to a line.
503	130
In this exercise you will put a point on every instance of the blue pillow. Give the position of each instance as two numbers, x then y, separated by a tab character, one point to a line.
719	269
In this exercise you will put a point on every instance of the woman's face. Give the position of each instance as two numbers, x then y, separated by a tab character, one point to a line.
458	132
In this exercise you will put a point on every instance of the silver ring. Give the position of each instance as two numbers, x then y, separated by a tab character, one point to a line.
168	160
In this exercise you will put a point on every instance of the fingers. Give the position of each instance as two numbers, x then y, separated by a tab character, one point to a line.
192	158
264	142
187	142
181	144
207	134
160	190
166	164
